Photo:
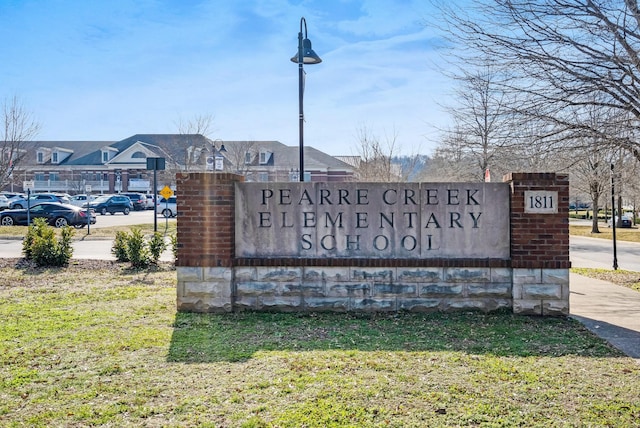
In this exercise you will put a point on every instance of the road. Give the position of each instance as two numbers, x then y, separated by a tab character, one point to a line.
134	217
598	253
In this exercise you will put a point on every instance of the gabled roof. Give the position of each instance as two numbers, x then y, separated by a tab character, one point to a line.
173	146
82	151
290	155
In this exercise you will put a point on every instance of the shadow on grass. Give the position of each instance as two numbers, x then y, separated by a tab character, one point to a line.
626	340
205	338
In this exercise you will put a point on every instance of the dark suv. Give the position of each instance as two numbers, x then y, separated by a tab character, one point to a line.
138	199
111	204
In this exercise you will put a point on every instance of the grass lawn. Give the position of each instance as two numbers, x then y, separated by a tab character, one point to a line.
103	345
622	234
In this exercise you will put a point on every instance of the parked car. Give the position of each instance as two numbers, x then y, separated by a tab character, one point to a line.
11	195
111	204
167	207
625	221
80	200
37	198
151	201
55	213
4	202
138	199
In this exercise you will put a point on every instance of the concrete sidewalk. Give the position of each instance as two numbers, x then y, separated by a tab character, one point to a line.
610	311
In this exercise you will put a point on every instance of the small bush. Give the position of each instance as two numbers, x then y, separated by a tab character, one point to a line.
36	229
156	246
137	249
173	239
120	246
133	247
42	247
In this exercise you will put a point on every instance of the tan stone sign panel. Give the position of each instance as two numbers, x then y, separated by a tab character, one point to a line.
540	202
372	220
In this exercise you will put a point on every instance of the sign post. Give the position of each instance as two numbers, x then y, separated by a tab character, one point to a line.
29	186
155	164
87	189
166	193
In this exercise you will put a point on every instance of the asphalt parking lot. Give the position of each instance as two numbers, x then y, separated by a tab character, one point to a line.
134	217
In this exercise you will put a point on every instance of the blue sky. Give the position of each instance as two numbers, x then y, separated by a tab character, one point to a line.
105	70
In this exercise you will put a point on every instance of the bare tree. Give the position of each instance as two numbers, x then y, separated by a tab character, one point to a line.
451	161
562	55
200	124
20	128
592	174
485	125
192	150
237	153
379	160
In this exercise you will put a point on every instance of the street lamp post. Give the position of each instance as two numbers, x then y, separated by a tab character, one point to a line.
305	55
613	219
215	162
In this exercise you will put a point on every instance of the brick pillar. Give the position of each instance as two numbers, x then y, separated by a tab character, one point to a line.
206	221
206	241
540	242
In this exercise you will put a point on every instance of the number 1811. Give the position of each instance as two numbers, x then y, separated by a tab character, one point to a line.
541	202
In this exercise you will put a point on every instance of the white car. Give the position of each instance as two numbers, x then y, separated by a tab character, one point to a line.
167	207
151	201
79	200
4	202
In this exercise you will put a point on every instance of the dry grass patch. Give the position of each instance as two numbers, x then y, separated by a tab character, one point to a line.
103	345
630	234
625	278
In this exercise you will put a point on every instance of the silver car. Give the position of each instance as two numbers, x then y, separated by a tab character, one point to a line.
4	202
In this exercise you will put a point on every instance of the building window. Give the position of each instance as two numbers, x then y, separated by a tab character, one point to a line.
247	158
263	176
54	176
265	157
40	157
39	176
54	157
139	155
105	157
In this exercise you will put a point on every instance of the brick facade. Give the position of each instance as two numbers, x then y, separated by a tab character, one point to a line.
206	232
535	280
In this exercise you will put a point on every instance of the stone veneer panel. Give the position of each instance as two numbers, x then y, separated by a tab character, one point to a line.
541	291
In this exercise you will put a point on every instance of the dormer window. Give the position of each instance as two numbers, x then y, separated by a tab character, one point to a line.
108	153
247	158
43	155
60	154
265	157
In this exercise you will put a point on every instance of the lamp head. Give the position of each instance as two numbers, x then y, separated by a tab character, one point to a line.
308	54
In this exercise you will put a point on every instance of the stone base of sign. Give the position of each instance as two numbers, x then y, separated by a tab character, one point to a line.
346	289
541	291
